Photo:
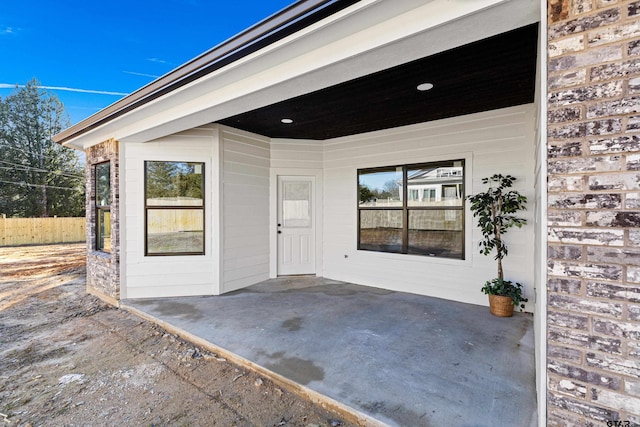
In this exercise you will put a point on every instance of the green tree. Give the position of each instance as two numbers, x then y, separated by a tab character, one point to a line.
161	180
365	193
38	178
173	180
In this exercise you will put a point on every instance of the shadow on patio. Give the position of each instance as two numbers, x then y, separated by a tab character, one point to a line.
401	359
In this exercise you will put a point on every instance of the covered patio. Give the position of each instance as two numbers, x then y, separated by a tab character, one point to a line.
386	357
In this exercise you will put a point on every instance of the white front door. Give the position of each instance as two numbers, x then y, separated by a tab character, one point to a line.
296	225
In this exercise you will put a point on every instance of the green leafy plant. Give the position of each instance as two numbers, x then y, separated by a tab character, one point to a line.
496	210
506	288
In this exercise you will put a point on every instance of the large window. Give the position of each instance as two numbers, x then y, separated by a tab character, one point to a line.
412	209
102	173
174	208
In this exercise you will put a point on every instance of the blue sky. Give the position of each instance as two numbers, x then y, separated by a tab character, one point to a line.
111	48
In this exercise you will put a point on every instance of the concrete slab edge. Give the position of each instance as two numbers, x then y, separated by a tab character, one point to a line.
102	296
348	413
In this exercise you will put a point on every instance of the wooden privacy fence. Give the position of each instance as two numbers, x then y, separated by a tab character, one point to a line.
40	231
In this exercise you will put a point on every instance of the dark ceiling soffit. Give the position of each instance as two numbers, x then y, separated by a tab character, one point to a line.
489	74
278	26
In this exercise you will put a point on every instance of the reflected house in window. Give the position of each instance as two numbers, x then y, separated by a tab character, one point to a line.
442	185
426	220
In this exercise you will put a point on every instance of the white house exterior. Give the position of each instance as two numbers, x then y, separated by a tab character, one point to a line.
279	201
242	167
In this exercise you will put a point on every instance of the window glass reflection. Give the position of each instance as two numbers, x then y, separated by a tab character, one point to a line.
413	209
174	184
381	230
103	184
380	188
440	185
174	195
175	231
436	233
104	230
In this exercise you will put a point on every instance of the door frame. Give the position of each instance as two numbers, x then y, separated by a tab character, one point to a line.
317	210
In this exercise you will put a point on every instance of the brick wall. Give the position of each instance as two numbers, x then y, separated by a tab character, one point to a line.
594	222
103	269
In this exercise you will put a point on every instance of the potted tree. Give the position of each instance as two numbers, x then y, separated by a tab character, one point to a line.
496	210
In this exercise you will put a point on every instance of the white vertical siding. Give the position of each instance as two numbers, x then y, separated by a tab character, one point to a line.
160	276
499	141
245	207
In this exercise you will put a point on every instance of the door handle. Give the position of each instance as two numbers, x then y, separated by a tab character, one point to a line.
279	232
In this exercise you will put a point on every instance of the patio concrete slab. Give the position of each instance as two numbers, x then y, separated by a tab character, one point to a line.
402	359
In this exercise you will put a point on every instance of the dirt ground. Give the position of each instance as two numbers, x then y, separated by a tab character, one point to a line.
68	359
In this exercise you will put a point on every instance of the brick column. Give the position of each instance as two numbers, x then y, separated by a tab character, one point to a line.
103	269
593	202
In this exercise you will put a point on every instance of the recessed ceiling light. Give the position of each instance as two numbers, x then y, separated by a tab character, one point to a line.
424	86
286	121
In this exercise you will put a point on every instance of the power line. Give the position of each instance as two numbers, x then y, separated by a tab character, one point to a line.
25	167
39	185
5	145
22	150
31	168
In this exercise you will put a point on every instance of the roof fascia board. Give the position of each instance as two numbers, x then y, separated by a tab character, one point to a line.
297	55
259	34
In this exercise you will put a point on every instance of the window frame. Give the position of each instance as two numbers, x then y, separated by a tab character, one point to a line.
148	208
406	208
101	209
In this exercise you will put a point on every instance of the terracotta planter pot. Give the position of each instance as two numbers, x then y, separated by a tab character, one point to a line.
501	306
